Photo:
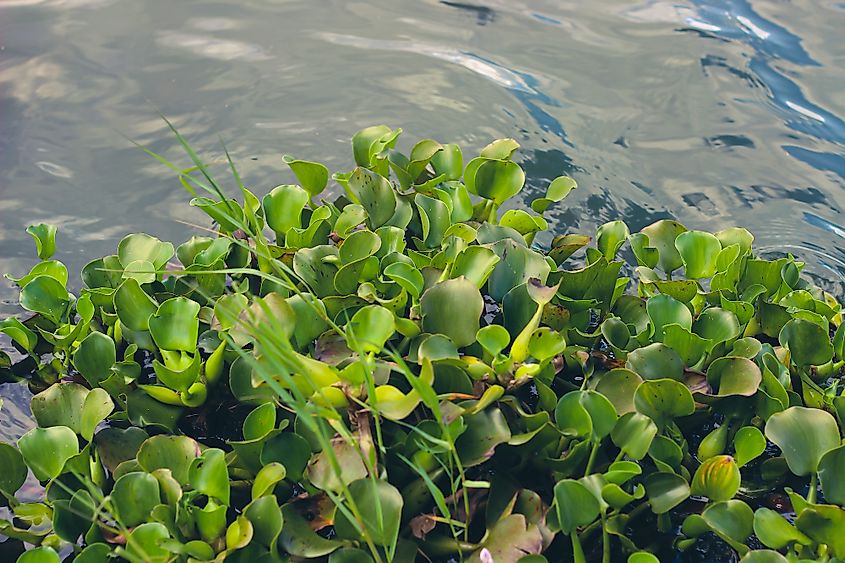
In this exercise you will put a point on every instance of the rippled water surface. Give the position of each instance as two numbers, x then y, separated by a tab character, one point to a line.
716	112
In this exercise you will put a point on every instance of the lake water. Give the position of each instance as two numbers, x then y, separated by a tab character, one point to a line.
718	113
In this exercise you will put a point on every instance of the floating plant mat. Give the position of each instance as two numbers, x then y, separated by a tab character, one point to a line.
403	374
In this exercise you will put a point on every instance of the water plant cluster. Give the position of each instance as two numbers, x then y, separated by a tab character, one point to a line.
403	374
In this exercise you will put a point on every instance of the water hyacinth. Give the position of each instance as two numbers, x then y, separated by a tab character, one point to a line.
401	373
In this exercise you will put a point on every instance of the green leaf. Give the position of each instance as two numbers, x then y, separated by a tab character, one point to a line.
824	524
808	343
175	453
452	308
730	375
370	328
749	444
775	531
266	479
72	405
732	520
611	236
283	208
664	310
661	235
298	539
133	306
663	400
134	496
266	518
144	543
209	475
574	505
14	471
46	450
44	236
557	190
832	475
321	471
380	507
175	325
312	176
375	195
39	555
140	247
698	251
656	361
619	386
46	296
95	357
633	434
498	180
804	435
665	491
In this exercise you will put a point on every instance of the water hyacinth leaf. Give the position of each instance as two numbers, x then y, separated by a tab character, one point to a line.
370	328
453	308
661	235
298	539
14	471
375	195
283	208
832	475
52	268
824	524
144	543
44	236
642	557
557	190
691	348
371	141
572	417
406	276
698	251
133	306
46	450
493	338
633	434
72	405
350	555
312	176
380	505
39	555
143	247
175	325
266	479
46	296
775	531
731	375
808	343
19	333
564	246
732	520
509	539
665	491
209	475
610	237
749	444
116	445
717	478
716	324
804	435
498	180
619	386
94	357
266	518
656	361
321	471
175	453
663	400
134	496
664	310
575	505
485	430
289	449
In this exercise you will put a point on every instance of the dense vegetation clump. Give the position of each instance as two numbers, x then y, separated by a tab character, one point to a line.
402	374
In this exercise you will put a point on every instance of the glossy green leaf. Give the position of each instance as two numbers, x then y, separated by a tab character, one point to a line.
380	505
665	491
807	342
698	251
175	326
46	450
663	400
46	296
134	496
656	361
453	308
574	505
804	435
749	444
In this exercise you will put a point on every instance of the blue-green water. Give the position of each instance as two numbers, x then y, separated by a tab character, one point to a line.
716	112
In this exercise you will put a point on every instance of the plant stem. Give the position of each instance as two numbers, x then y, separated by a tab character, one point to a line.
664	523
811	493
591	461
577	550
605	540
